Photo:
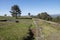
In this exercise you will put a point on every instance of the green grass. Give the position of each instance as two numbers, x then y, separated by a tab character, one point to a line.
50	30
15	31
47	28
6	18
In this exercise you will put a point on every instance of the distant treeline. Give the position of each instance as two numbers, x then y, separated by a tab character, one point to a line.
56	19
46	16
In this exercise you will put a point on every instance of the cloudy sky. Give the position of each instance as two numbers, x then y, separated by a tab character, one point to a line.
32	6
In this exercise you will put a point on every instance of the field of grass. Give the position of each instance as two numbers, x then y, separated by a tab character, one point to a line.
15	31
51	31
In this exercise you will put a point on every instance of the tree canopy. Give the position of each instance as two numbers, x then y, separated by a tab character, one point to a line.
44	16
15	11
29	14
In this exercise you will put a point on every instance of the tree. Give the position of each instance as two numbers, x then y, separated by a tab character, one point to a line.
44	16
5	14
29	14
15	11
57	19
38	15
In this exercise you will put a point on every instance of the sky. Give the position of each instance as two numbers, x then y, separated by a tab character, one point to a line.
34	7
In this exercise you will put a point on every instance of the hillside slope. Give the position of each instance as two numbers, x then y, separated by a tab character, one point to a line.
50	30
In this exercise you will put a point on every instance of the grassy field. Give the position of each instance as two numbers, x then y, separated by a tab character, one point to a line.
50	30
13	30
16	31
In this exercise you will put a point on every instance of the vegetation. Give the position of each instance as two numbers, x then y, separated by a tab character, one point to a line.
30	35
50	29
5	14
15	11
56	19
44	16
20	29
15	31
29	14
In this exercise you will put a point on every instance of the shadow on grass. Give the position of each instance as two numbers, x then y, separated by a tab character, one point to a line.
30	35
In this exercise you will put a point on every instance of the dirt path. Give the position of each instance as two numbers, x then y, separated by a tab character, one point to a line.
39	34
51	30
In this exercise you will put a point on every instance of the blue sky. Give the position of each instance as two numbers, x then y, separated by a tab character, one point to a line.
32	6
